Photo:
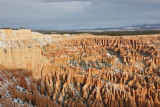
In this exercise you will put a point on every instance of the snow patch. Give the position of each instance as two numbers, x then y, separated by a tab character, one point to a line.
3	37
74	89
18	100
14	79
2	44
28	82
117	60
109	83
7	94
14	32
108	54
139	67
20	88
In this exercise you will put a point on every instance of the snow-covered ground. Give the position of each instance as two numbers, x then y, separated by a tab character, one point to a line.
19	88
139	67
18	100
108	54
28	82
2	36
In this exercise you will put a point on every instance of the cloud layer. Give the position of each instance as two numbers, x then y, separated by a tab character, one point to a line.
77	14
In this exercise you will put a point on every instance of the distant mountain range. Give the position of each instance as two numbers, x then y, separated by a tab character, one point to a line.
128	28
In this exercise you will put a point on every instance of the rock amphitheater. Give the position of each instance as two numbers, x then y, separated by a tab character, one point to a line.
84	70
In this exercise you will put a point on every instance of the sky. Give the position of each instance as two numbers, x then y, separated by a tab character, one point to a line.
78	14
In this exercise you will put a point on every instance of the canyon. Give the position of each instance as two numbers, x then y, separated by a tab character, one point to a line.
83	70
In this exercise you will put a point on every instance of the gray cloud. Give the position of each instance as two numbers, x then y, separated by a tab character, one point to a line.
77	14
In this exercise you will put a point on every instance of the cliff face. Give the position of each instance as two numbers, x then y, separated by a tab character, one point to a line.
24	58
79	70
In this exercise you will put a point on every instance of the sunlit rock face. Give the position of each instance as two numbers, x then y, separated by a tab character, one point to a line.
78	70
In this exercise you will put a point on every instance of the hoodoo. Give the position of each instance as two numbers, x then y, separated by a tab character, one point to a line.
78	70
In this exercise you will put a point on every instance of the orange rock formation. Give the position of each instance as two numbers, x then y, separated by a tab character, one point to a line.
78	70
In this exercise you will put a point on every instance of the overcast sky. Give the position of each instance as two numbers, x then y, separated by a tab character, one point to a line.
77	14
